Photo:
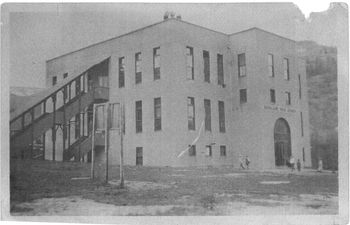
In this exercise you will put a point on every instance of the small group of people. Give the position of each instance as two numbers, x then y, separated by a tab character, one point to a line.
244	162
292	164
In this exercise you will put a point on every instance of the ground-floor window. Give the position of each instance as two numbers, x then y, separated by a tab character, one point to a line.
208	150
139	156
192	150
222	150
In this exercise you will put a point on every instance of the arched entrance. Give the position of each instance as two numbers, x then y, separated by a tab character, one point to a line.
282	142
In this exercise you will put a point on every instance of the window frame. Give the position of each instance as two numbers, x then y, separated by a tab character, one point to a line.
156	70
138	64
191	121
272	96
272	66
191	55
210	152
286	69
207	115
54	80
157	121
243	66
138	113
121	72
220	69
206	66
222	122
288	98
192	150
245	99
223	152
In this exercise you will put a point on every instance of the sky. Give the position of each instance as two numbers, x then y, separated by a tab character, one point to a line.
43	31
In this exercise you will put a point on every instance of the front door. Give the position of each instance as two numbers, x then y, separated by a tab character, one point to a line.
282	142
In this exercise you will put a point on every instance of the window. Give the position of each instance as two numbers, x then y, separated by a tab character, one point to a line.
138	114
157	114
241	65
191	113
221	116
303	154
115	116
77	126
139	156
208	150
286	68
189	63
121	72
100	114
299	86
192	150
302	124
207	119
54	80
138	73
222	150
288	98
243	96
206	60
156	63
220	62
65	75
271	65
272	96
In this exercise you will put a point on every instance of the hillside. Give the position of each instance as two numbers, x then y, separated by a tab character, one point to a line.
321	69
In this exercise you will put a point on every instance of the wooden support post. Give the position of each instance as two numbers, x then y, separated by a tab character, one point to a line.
106	115
121	145
32	132
44	146
64	121
54	129
93	144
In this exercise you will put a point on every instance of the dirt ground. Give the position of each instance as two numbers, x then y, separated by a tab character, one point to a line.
64	188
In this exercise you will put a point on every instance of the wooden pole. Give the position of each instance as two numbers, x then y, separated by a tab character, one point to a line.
121	145
93	143
106	114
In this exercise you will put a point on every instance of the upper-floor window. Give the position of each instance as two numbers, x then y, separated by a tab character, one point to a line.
121	72
243	96
286	68
302	124
138	72
156	63
191	113
54	80
65	75
220	62
222	116
138	115
206	62
157	114
241	65
272	96
271	65
288	98
207	116
189	63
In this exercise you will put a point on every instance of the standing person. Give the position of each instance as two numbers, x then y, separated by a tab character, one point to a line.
299	165
241	162
320	166
247	162
292	163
